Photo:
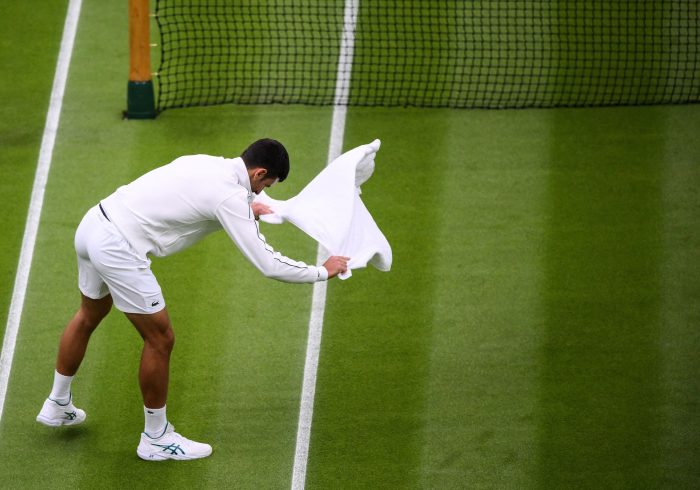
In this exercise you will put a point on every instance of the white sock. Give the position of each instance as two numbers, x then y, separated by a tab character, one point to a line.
60	392
156	422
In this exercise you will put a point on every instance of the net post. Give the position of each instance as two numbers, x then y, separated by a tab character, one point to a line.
140	98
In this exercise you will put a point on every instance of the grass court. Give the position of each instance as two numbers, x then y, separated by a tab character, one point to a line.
539	328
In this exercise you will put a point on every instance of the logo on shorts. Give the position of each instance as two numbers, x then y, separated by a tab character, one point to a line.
155	303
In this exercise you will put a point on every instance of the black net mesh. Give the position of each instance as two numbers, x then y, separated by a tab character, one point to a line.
428	53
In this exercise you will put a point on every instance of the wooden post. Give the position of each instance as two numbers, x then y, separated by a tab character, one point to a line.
140	99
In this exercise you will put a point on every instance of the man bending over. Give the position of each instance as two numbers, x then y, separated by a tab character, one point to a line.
160	213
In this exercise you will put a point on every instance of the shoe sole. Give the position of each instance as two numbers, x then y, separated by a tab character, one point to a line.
57	422
148	456
158	457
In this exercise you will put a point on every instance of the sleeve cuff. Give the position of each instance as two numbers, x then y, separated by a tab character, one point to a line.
322	273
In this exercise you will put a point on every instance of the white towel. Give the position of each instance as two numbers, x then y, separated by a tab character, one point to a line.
329	209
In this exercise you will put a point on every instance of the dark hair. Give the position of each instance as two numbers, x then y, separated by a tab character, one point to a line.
268	154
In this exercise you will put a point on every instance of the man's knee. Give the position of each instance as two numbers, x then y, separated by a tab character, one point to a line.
162	342
155	329
166	341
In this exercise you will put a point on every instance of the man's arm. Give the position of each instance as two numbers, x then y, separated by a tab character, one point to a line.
237	218
334	265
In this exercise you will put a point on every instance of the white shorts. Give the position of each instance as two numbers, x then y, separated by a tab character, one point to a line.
108	264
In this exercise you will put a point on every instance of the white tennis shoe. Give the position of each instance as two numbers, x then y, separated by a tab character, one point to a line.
54	414
171	445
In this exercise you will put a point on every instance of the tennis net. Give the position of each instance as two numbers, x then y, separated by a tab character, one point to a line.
429	53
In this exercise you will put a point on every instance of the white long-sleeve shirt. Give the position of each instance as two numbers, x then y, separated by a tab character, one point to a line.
176	205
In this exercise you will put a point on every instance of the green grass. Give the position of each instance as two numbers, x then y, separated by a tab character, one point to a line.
601	356
538	329
25	99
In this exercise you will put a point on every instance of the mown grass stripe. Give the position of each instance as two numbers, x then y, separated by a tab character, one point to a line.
601	394
318	306
37	198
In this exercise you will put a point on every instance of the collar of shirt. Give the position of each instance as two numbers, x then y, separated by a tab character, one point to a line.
241	173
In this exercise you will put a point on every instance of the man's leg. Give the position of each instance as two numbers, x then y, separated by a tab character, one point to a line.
58	409
75	337
158	340
159	440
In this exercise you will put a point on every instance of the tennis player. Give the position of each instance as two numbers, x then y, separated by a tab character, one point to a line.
163	212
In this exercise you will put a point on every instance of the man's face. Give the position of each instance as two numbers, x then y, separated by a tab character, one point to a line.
259	181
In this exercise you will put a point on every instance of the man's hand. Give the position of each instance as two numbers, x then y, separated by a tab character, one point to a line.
335	265
260	208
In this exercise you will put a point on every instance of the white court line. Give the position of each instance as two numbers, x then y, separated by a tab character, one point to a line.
37	199
318	302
